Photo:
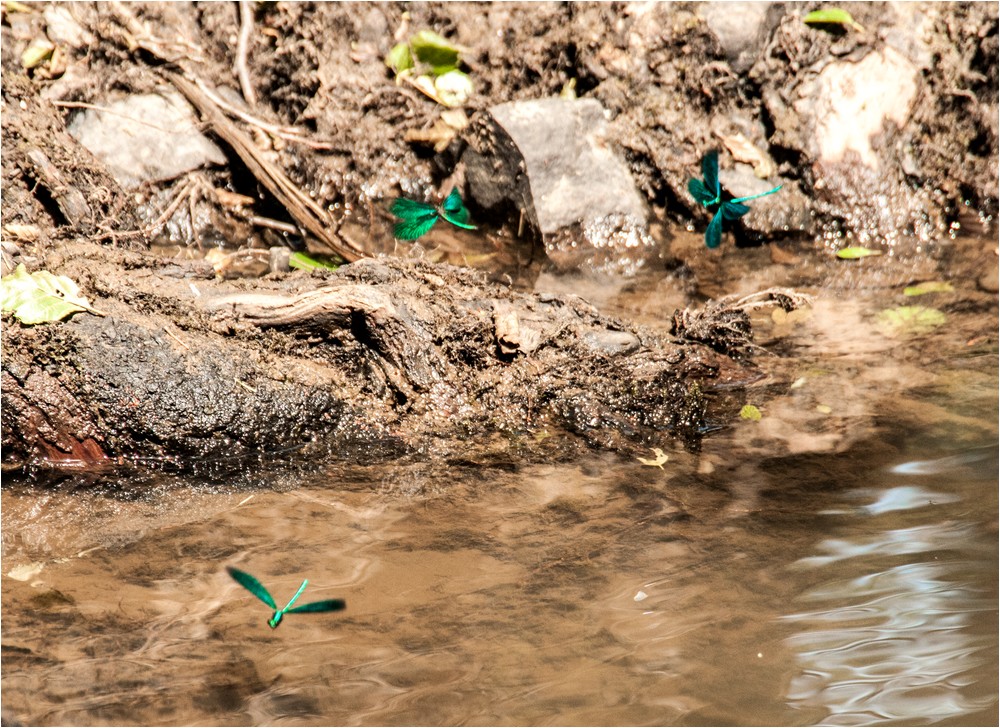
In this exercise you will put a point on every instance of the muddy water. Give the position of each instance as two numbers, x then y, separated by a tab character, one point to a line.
834	563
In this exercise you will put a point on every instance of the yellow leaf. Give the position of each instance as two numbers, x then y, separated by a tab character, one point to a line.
661	458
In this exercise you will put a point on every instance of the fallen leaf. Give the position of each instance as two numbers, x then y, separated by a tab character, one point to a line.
743	150
568	91
661	458
928	287
41	297
855	252
308	262
832	16
750	412
909	320
37	52
824	409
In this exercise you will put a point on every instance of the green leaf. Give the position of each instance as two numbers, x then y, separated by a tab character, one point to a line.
399	58
308	262
750	412
441	70
909	320
434	50
928	287
856	252
832	16
37	52
41	297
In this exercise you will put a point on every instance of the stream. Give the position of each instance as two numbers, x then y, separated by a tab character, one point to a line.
834	563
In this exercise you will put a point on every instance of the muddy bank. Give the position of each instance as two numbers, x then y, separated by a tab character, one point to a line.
375	360
316	136
885	134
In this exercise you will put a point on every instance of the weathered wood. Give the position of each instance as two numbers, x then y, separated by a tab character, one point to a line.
72	204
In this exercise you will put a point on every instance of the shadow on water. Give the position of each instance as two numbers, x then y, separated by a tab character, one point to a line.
834	563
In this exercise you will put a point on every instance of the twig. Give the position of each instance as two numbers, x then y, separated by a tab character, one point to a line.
112	112
278	225
172	336
300	206
246	386
185	188
285	132
193	216
242	48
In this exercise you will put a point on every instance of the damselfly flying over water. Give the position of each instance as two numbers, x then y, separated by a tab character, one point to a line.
251	584
416	218
708	192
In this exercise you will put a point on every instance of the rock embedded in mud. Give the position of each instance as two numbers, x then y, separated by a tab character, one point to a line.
848	103
741	28
848	115
145	138
547	165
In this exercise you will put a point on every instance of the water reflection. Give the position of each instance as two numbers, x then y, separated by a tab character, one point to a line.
894	633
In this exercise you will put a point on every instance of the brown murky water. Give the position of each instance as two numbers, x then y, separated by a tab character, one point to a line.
835	563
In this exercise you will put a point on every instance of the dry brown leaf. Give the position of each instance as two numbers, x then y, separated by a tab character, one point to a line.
743	150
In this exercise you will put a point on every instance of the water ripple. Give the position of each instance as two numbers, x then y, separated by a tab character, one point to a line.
895	644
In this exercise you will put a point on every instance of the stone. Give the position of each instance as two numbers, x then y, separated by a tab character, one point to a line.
547	166
741	29
848	103
145	138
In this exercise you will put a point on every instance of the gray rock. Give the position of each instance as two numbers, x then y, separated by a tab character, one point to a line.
741	28
612	342
547	165
65	30
145	138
